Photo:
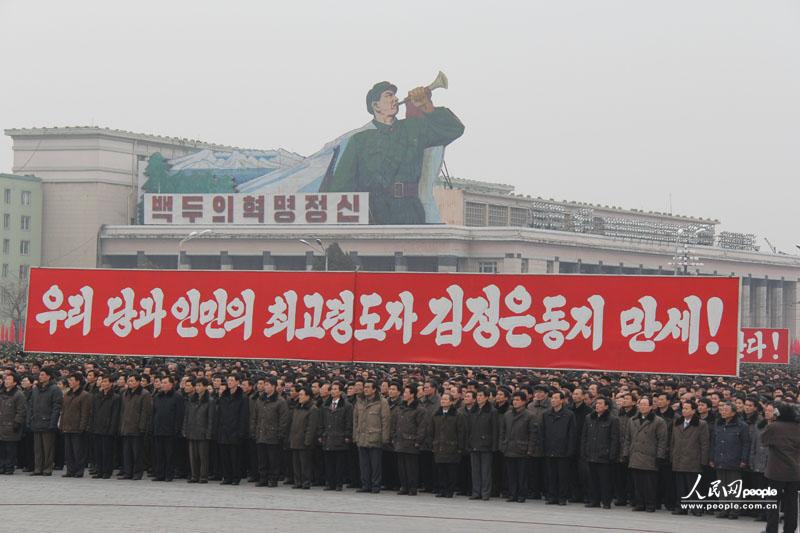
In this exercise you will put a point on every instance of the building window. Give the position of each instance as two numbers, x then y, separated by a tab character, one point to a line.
498	215
487	267
25	223
5	270
519	217
24	247
6	221
7	195
26	197
23	272
6	246
475	214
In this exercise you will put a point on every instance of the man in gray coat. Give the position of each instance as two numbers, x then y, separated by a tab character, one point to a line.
689	449
645	450
12	419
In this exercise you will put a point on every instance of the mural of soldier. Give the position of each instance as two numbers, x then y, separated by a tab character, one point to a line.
386	161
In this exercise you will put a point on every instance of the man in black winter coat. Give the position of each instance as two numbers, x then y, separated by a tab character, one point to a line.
167	421
198	428
104	426
232	426
558	433
337	432
600	446
43	415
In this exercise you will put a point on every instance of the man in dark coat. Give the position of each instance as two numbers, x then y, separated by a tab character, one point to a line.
578	468
730	450
75	417
303	433
232	426
482	441
13	411
270	421
198	428
623	478
600	444
666	481
104	426
337	432
502	405
782	437
645	450
167	422
689	448
44	412
409	430
518	436
137	408
537	466
448	435
559	438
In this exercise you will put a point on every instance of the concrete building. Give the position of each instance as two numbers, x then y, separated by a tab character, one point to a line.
21	226
89	178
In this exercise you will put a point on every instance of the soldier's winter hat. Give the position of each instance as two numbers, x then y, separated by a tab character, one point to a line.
377	90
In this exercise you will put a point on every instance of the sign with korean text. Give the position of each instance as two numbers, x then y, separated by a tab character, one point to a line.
764	345
686	325
237	208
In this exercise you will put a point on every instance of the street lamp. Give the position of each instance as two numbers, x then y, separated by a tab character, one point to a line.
682	257
192	235
322	248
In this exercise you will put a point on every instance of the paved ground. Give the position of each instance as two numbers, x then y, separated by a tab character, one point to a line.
38	504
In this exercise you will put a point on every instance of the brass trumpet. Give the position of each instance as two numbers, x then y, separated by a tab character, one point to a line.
439	83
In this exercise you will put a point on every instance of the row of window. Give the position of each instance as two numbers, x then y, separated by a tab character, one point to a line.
24	247
23	271
24	222
25	197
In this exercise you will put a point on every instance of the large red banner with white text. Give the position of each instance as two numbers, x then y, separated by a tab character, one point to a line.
685	325
764	345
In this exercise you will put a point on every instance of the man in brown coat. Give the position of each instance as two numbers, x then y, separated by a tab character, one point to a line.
782	436
76	414
689	448
371	421
137	408
645	450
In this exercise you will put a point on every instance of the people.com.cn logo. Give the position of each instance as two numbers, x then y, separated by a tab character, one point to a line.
734	490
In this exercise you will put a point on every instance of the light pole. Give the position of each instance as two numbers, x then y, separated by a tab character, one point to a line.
682	257
322	248
192	235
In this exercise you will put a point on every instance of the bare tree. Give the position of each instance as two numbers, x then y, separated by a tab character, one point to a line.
14	303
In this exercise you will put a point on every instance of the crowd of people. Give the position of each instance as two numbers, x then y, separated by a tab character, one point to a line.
589	438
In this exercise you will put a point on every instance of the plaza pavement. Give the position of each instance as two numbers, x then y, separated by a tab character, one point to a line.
36	504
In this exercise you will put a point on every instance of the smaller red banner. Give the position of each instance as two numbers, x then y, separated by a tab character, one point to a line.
764	346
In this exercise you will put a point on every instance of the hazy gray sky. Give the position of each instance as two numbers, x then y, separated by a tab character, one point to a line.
613	102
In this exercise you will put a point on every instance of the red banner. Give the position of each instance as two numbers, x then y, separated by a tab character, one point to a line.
685	325
764	345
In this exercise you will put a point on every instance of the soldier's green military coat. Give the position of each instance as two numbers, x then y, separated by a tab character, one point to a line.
374	160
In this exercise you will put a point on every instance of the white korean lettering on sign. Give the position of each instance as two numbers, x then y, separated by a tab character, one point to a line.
247	208
79	309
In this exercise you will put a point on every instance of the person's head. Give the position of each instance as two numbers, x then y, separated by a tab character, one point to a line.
201	385
662	401
409	393
688	409
601	405
627	400
270	386
10	380
577	396
739	405
726	410
325	390
44	377
105	383
336	390
382	103
769	411
394	391
469	398
501	397
703	406
369	389
445	401
539	394
750	406
645	405
134	381
232	382
557	400
167	383
429	389
304	395
188	387
481	397
785	412
247	386
715	398
518	400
